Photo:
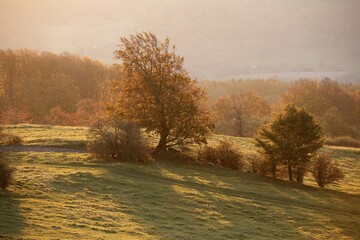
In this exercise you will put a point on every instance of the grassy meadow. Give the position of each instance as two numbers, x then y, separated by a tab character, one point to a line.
50	136
65	195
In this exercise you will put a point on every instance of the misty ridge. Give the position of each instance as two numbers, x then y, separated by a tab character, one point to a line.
219	40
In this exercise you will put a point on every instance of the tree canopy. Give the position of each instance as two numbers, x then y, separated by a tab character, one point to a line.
240	112
157	93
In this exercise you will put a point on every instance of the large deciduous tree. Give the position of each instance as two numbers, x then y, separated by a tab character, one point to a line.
291	139
157	93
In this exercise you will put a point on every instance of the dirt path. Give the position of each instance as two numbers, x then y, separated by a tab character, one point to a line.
38	149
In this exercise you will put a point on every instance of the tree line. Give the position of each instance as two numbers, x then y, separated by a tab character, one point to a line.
64	89
242	106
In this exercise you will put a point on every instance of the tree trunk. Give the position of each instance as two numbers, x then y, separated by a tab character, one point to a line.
299	178
300	174
273	169
162	143
290	173
240	130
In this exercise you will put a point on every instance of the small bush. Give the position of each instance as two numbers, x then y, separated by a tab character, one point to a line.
223	155
117	140
343	141
257	164
9	139
6	174
325	170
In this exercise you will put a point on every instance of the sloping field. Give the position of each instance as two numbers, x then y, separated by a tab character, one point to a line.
62	195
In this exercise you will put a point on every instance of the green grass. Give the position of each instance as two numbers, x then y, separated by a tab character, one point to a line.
73	196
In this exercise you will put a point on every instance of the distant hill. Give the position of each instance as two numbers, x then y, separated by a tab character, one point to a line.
341	76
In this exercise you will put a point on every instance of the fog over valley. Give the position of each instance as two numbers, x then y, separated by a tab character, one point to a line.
218	39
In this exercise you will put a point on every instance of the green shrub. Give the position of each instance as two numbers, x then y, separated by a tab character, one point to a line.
223	155
6	174
116	140
345	141
325	171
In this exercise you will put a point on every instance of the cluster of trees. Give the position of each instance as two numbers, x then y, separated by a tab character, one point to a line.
288	148
290	140
32	83
289	145
157	94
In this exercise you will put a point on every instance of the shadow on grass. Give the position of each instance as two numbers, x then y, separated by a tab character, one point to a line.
288	210
180	201
11	220
193	205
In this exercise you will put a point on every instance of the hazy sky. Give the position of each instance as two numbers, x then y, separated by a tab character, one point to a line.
218	38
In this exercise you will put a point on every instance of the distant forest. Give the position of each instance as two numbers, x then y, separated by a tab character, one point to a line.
65	89
36	82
